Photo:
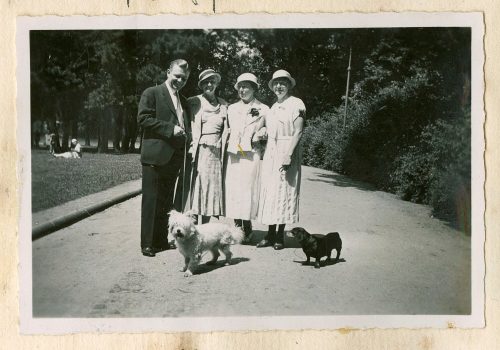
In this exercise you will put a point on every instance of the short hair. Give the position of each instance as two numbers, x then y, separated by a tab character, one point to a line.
255	86
180	63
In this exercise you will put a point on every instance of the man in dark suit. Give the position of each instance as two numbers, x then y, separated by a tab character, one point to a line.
163	117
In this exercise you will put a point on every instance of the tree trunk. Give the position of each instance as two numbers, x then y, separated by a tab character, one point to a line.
65	135
116	114
74	129
126	131
86	121
87	135
103	131
132	125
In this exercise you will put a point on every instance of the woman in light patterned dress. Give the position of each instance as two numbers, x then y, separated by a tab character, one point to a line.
280	186
242	180
209	125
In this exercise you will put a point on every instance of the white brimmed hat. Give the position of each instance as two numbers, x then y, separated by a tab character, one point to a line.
246	77
207	73
74	141
281	74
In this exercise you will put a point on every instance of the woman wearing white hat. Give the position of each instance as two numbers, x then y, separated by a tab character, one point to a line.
280	186
245	120
76	151
209	116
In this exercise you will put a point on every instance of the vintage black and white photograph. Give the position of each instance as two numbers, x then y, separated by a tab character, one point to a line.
251	172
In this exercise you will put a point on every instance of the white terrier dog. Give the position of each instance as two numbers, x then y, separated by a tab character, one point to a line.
193	240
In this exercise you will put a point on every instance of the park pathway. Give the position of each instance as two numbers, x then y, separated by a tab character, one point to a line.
397	259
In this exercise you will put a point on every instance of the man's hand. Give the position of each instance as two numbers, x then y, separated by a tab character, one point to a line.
178	131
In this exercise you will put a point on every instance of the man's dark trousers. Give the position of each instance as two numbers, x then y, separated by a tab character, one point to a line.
158	182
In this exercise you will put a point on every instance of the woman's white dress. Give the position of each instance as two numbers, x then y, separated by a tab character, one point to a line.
280	191
242	178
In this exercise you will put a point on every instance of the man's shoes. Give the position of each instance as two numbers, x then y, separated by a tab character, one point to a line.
264	243
148	251
165	246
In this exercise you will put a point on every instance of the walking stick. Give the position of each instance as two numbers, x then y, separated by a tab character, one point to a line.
184	175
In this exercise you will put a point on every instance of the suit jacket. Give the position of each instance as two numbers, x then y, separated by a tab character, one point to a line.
243	126
157	118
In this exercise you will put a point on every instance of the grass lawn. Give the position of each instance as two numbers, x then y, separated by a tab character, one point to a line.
57	180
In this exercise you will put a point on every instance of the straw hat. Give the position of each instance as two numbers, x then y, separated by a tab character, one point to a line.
281	74
74	141
246	77
207	73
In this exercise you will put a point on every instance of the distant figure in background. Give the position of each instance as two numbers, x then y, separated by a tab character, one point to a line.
46	134
36	131
51	139
76	151
55	146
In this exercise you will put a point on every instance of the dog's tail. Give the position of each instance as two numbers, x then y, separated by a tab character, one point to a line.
236	234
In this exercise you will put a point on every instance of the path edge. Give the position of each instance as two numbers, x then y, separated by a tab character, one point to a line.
42	230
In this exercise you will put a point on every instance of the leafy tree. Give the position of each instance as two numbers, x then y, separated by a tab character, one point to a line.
408	121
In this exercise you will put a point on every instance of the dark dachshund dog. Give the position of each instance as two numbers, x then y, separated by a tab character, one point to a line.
317	246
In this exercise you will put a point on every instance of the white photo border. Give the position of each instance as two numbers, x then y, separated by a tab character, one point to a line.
474	20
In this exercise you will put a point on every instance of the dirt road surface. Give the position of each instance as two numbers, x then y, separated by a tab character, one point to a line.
397	260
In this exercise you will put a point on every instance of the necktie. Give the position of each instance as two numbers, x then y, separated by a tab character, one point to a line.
178	110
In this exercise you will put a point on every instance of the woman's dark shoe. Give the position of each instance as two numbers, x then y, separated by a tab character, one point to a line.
148	251
278	246
247	239
264	243
247	227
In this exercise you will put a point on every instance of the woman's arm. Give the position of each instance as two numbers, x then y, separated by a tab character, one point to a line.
298	126
260	130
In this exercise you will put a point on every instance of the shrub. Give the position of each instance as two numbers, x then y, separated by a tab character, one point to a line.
423	159
437	170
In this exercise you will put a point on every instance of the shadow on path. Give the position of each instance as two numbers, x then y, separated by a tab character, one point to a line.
258	235
323	263
204	268
342	181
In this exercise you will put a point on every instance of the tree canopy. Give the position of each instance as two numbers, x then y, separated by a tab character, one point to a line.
408	117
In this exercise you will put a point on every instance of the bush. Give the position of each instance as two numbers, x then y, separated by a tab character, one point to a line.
413	175
437	171
423	159
323	142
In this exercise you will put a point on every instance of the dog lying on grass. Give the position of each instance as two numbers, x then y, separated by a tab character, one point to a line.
317	246
193	240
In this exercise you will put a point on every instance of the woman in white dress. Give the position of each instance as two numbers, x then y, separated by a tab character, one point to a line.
209	120
280	185
75	152
245	120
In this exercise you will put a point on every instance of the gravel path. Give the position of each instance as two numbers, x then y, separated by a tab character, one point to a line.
397	259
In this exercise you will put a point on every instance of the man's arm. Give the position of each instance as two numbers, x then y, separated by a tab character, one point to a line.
146	117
